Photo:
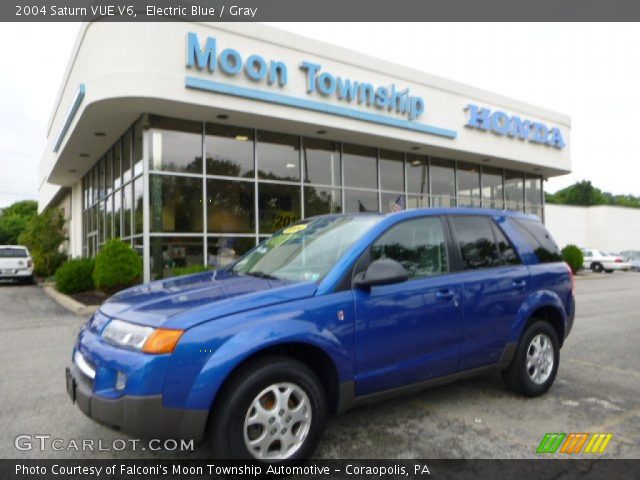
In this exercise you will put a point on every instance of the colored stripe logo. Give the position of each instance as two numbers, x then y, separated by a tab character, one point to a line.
574	443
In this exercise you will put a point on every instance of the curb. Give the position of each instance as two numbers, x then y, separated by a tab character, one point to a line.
69	303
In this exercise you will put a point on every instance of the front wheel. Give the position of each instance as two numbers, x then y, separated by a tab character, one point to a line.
608	271
273	410
534	367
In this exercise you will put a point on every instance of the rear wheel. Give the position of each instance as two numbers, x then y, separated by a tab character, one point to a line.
534	367
597	267
273	410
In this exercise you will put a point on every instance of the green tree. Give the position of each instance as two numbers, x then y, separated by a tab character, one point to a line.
584	193
43	235
14	219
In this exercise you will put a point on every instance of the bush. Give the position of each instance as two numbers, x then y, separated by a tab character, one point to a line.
189	270
75	276
573	256
43	236
117	267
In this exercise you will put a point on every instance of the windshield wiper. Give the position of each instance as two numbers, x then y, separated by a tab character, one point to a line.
260	274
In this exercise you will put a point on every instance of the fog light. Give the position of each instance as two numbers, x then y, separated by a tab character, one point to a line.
121	381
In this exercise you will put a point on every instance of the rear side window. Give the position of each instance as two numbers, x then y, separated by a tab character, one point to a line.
13	253
417	244
538	238
482	244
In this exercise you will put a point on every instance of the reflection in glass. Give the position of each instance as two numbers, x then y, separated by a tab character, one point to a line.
126	210
169	253
417	174
176	145
492	188
176	204
321	201
278	156
108	232
360	169
360	201
117	214
393	202
137	148
391	171
278	206
126	156
138	195
443	188
321	161
229	151
468	185
109	172
117	164
223	251
418	201
533	194
230	206
514	190
417	244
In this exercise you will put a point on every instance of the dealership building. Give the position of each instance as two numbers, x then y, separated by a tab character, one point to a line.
195	141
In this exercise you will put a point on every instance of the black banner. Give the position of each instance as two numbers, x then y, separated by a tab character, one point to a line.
316	10
328	469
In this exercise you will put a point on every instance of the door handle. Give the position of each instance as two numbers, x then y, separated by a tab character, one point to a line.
519	284
444	294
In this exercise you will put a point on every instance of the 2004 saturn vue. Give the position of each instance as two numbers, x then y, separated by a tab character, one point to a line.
331	312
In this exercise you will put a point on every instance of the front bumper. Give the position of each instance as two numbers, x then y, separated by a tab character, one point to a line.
144	416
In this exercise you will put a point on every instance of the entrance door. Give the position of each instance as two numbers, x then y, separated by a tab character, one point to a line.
409	331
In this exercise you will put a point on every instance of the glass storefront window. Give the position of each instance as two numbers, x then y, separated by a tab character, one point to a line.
137	150
443	188
101	179
117	214
126	210
321	161
117	165
360	166
138	198
278	206
492	188
229	151
418	201
417	174
223	251
393	202
321	201
109	172
108	232
176	204
100	222
391	171
360	201
468	185
169	253
533	194
278	156
126	156
514	190
230	206
175	145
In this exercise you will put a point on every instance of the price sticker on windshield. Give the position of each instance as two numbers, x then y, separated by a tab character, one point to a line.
295	229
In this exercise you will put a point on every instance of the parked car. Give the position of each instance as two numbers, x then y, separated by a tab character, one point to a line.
16	263
601	261
329	313
633	258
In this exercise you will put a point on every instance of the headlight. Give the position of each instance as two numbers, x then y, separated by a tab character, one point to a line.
141	338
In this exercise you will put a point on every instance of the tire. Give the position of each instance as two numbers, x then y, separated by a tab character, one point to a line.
255	382
518	376
608	271
597	267
29	280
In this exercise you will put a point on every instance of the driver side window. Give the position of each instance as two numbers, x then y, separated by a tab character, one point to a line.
417	244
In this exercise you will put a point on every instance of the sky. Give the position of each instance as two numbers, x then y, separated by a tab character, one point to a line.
589	71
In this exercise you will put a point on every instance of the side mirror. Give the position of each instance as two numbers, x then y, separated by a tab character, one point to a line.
381	272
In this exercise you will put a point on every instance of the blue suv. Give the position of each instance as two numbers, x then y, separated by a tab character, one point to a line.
328	313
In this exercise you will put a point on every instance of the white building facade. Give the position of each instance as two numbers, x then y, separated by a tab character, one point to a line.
195	141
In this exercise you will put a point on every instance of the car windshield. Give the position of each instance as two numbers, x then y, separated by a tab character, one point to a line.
305	251
13	253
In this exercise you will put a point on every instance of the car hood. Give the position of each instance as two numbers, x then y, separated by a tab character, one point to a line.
187	301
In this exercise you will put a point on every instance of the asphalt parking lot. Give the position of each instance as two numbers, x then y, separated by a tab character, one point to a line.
597	390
